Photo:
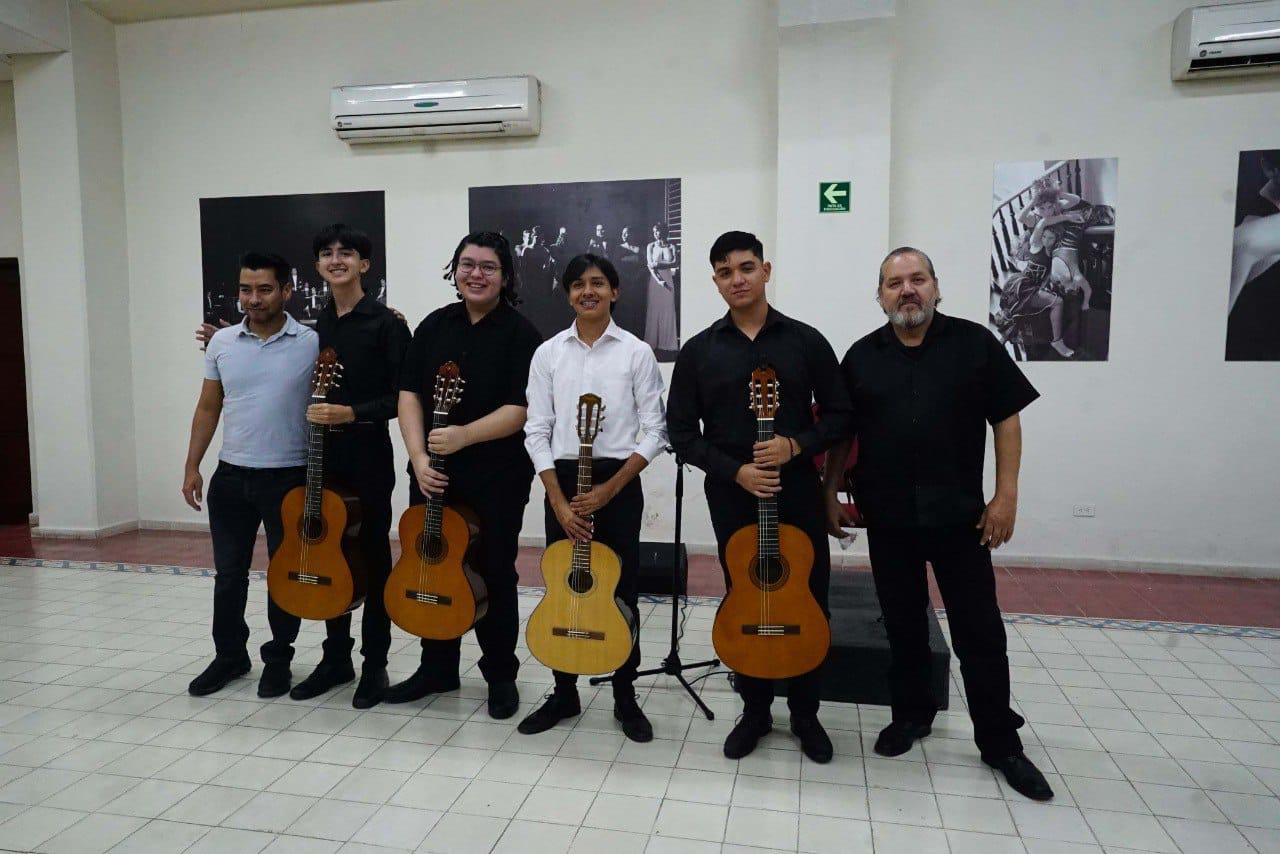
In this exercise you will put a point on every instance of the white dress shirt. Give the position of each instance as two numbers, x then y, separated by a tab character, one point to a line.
622	370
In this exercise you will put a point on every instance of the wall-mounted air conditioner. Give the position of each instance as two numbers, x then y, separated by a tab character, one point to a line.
478	107
1216	41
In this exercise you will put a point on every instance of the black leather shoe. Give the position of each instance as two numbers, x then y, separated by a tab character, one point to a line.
635	725
274	681
814	740
897	738
419	685
371	689
216	676
327	676
1024	777
744	737
504	700
558	707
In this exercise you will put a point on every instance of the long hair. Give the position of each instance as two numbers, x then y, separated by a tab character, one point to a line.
500	246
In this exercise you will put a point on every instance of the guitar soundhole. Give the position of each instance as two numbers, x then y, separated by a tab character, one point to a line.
769	573
581	581
311	529
433	549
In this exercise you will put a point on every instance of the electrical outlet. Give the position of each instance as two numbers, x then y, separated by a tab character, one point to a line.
1087	511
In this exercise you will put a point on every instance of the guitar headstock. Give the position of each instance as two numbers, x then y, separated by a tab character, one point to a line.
764	387
590	415
449	386
327	374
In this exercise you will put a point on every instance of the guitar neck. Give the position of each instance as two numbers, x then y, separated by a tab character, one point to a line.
435	504
315	466
582	551
766	508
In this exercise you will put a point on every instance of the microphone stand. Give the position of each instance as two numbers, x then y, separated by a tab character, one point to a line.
671	665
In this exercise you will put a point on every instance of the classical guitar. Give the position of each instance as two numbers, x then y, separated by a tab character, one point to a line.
432	591
318	572
769	625
579	626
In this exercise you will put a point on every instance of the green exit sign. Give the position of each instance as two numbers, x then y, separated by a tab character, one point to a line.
833	197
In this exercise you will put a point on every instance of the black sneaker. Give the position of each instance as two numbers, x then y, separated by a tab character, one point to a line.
216	676
558	707
327	676
635	725
1023	776
504	700
897	738
419	685
744	737
814	740
274	681
372	688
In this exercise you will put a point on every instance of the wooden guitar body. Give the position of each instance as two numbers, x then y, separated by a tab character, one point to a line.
779	634
319	571
579	626
432	591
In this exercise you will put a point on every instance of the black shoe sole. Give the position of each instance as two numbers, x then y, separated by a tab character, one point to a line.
395	699
542	726
754	744
643	736
272	692
916	734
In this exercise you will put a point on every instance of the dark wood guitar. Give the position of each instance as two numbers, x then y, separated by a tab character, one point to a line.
769	625
580	626
318	572
432	591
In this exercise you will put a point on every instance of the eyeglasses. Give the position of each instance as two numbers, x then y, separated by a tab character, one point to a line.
466	267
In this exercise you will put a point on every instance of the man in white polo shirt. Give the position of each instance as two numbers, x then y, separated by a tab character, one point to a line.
258	376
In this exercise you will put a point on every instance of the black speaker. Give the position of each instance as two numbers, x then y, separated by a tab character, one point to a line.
655	569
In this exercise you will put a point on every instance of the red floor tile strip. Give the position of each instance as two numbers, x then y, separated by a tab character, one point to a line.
1025	590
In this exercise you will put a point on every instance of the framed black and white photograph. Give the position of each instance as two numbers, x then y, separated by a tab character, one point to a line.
635	224
1254	296
1053	225
233	225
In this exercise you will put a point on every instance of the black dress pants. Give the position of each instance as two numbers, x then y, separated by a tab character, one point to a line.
962	568
800	503
241	500
358	456
498	500
616	525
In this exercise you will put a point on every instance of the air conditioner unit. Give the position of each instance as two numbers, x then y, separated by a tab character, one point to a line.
1217	41
479	107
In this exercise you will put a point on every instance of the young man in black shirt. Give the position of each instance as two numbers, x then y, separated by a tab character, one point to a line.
712	426
487	468
924	387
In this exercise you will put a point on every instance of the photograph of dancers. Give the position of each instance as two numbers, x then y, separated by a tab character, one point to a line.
1052	242
1254	296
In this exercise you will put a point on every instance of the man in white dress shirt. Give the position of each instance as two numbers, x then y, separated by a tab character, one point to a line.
595	356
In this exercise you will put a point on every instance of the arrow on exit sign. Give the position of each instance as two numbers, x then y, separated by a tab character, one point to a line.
833	197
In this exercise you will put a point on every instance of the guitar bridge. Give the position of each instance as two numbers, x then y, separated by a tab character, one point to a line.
428	598
770	630
577	634
308	578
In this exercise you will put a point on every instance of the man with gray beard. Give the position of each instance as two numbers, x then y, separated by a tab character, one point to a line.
924	387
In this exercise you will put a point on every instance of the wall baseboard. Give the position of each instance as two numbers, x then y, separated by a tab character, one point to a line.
83	533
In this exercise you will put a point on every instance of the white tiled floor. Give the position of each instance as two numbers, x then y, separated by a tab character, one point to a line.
1153	741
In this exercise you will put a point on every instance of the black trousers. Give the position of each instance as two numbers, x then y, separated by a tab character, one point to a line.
962	568
498	499
241	500
800	503
358	457
616	525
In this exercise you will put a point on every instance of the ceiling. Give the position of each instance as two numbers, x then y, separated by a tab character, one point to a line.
127	11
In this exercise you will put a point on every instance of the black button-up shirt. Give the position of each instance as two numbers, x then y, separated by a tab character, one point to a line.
493	357
710	385
921	416
371	342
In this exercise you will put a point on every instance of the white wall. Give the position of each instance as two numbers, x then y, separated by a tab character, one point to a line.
1177	448
10	197
237	104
